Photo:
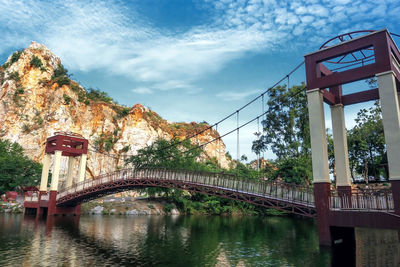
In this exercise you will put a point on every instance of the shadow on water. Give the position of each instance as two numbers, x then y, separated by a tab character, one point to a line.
182	241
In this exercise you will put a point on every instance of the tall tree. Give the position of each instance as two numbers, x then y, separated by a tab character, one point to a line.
286	125
287	134
367	149
16	169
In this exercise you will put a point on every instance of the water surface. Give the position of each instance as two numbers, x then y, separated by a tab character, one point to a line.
169	241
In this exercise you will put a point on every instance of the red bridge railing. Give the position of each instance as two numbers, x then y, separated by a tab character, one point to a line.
268	189
366	200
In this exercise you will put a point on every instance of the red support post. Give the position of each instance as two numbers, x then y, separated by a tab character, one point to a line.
322	192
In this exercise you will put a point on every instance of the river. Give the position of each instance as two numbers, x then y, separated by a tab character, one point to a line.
181	241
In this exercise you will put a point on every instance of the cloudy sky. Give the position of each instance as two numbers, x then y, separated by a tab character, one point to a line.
189	60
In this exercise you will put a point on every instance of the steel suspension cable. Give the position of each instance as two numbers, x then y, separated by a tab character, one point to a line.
262	96
237	137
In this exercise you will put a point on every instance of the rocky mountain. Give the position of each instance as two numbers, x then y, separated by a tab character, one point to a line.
38	98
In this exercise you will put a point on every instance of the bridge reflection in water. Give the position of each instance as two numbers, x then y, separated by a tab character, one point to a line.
178	240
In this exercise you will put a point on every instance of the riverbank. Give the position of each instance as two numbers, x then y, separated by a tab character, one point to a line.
161	206
143	206
11	207
173	206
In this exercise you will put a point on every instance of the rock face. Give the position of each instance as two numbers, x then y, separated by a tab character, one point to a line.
37	100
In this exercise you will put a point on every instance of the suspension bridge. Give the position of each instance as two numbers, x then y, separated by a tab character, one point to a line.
338	210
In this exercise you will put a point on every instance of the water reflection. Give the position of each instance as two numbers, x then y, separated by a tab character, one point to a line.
170	241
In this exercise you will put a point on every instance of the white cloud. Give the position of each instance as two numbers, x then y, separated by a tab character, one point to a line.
234	96
142	90
90	35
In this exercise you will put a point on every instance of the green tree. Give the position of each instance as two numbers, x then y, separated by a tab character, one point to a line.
367	150
286	125
16	169
287	134
172	154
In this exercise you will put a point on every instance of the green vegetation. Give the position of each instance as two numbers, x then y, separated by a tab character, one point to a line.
182	155
14	58
36	62
106	141
16	97
60	76
19	90
15	76
367	150
63	81
60	72
287	135
16	169
67	99
38	120
121	111
26	128
125	148
97	95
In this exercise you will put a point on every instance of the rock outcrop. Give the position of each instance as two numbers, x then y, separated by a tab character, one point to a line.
37	98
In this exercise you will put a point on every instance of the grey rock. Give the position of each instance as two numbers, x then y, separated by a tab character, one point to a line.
97	210
132	212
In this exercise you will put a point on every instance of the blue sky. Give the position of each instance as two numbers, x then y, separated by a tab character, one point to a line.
189	60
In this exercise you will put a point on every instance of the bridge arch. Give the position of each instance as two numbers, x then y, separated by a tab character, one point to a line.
294	199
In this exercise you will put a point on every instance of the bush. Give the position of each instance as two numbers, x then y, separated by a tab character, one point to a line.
67	99
19	90
109	143
168	207
14	58
94	94
60	72
63	81
126	148
36	62
26	128
122	112
15	76
39	120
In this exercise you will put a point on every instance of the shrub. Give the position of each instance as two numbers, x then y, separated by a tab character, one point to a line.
122	112
15	76
19	90
109	143
67	99
14	58
94	94
36	62
39	120
26	128
168	207
1	76
125	148
75	88
60	71
63	81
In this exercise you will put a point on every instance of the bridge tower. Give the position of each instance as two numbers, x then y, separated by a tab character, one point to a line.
61	144
372	55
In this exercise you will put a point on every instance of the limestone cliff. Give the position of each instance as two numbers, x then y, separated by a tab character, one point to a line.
38	99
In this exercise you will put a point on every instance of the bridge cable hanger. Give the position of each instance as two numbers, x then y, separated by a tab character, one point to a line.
223	119
262	96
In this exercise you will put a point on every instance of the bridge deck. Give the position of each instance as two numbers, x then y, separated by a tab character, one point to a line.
293	198
273	194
